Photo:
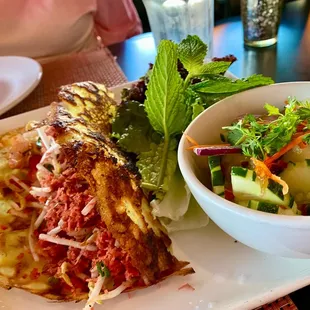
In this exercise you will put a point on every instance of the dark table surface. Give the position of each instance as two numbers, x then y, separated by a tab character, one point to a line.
288	60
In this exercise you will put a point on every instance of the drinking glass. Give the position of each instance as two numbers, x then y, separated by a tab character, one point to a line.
261	19
175	19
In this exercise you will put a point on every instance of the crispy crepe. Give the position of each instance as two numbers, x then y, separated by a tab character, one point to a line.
95	230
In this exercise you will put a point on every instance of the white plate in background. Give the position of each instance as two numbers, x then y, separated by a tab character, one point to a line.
19	76
229	275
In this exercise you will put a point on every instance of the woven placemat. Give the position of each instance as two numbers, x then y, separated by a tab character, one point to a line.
98	66
284	303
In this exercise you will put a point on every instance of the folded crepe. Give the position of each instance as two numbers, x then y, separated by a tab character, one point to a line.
74	222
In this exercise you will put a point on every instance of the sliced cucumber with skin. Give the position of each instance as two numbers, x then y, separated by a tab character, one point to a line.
263	206
217	176
272	208
247	186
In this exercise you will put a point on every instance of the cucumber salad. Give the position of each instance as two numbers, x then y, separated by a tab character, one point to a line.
264	160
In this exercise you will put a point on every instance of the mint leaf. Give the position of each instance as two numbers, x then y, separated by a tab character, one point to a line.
157	166
164	102
272	110
191	52
223	85
216	67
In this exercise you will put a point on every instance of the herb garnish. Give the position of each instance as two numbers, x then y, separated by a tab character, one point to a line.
152	129
260	138
103	270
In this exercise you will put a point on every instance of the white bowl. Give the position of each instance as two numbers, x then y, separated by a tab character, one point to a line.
281	235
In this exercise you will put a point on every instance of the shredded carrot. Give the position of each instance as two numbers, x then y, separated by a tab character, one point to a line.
285	149
191	140
264	174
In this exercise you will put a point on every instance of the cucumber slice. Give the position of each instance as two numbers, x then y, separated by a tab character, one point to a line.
263	206
272	208
247	186
217	177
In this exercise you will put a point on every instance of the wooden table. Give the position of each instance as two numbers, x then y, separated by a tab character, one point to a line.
289	60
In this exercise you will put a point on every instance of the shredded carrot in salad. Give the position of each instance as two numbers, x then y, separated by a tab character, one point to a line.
285	149
191	140
264	174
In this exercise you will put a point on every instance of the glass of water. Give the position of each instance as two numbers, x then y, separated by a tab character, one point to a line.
175	19
261	19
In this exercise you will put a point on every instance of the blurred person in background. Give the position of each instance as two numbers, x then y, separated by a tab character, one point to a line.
47	29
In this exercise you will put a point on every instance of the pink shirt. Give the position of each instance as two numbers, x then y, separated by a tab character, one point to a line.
43	28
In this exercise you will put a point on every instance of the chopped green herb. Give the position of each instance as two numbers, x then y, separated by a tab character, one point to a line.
39	143
152	129
259	138
103	270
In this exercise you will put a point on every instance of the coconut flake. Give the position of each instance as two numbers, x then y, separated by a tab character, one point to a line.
109	295
14	205
67	242
44	138
40	218
20	183
94	293
30	239
54	149
40	191
36	205
91	204
57	229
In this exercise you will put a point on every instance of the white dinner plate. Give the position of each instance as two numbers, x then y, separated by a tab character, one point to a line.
229	275
18	78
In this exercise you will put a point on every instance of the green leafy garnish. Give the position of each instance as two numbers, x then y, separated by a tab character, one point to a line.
103	270
39	143
164	102
191	52
217	67
152	129
168	114
260	137
223	85
247	133
272	110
